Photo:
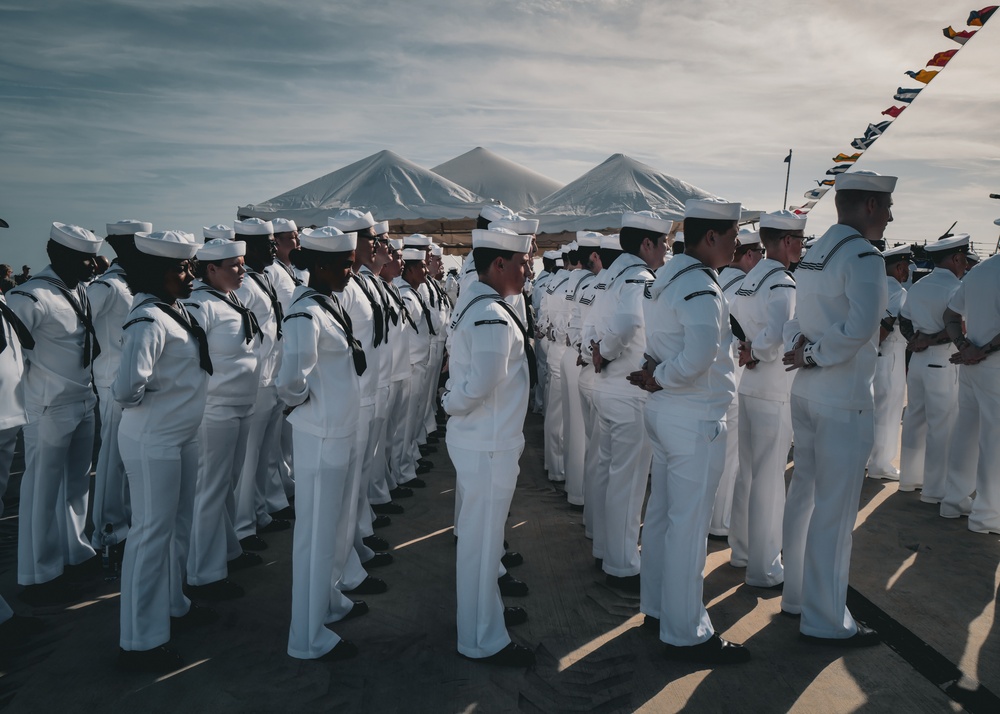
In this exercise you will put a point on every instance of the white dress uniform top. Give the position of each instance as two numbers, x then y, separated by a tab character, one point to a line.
420	351
12	414
762	305
840	298
537	291
110	302
978	299
59	401
487	398
234	341
401	467
688	334
624	444
375	466
931	388
890	389
730	280
319	379
258	294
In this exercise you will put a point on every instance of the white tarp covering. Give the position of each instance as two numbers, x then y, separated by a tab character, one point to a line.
494	177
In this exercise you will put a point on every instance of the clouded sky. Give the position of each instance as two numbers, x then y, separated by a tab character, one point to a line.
177	111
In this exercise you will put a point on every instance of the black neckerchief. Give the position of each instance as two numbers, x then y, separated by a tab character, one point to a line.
183	318
333	307
378	318
19	328
387	311
91	347
393	292
423	306
272	295
251	327
291	273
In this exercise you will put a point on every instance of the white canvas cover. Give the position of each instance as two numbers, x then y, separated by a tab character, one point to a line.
494	177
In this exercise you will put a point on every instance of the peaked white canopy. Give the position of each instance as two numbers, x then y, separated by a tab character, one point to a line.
492	176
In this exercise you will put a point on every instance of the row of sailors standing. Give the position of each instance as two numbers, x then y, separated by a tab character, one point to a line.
651	385
206	371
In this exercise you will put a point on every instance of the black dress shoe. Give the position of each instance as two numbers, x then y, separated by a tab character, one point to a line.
215	592
243	561
54	592
379	560
343	650
401	492
276	524
790	615
712	536
431	439
416	483
423	469
387	509
360	608
599	563
91	566
511	559
439	432
513	655
369	586
514	616
511	586
714	650
628	583
425	450
381	521
288	513
253	542
425	462
196	616
506	545
159	659
576	508
651	623
864	637
376	543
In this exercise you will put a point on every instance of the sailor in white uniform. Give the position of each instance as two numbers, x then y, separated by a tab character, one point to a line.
161	384
487	398
110	302
319	377
59	401
748	254
554	326
573	369
762	306
616	352
595	463
234	342
14	339
258	293
537	292
890	369
978	299
931	380
840	298
689	372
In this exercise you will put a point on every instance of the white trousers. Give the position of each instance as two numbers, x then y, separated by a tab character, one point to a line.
542	363
362	513
831	449
433	379
161	483
890	395
286	466
574	435
963	451
111	503
262	442
623	437
321	540
223	436
985	381
595	483
931	410
8	442
688	458
378	470
415	414
723	508
554	414
402	467
58	447
485	482
755	529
